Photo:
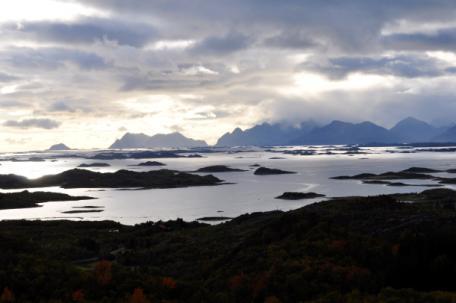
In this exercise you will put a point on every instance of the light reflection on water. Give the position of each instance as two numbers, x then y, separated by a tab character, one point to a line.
249	193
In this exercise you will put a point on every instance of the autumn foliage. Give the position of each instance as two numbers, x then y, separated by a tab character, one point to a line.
103	272
7	295
78	296
272	299
236	281
138	296
169	282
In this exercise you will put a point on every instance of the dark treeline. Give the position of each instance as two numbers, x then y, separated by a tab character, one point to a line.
372	250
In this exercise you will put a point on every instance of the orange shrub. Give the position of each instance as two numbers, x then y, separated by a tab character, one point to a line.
169	282
78	296
7	295
103	272
138	296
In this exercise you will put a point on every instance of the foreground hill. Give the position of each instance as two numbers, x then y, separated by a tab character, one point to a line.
173	140
348	250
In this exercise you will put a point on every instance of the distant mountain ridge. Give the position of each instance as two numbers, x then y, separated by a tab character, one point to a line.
338	132
172	140
449	135
59	146
414	130
265	134
408	130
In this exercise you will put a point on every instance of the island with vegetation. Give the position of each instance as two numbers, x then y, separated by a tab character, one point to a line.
26	199
271	171
218	169
299	196
150	163
81	178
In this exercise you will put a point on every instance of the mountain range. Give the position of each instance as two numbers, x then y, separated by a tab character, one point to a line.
173	140
265	134
409	130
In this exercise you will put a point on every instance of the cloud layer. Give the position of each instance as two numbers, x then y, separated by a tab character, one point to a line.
204	67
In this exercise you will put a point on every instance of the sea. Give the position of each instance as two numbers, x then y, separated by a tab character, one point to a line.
242	192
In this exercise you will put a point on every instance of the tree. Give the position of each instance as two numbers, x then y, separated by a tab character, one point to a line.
169	282
138	296
78	296
7	295
103	272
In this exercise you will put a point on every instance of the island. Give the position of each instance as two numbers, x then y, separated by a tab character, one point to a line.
82	211
218	169
81	178
213	219
271	171
414	173
299	196
26	199
150	163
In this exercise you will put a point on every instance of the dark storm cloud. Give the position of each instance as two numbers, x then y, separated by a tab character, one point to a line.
410	66
51	58
157	82
85	31
353	25
444	39
68	106
32	123
221	45
292	40
60	106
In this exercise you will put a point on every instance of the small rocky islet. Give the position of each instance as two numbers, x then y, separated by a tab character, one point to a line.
94	164
299	196
218	169
150	163
263	171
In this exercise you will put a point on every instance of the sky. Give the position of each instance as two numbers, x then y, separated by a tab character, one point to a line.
84	72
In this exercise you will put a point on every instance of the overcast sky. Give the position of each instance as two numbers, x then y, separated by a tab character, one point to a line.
84	72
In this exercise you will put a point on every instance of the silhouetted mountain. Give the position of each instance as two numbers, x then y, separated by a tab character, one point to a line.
413	130
448	135
59	146
338	132
160	140
265	134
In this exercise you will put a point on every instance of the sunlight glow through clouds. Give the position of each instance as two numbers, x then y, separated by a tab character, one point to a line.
149	104
35	10
170	44
313	84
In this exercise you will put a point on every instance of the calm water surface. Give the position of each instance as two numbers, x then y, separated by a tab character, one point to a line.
248	193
